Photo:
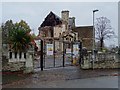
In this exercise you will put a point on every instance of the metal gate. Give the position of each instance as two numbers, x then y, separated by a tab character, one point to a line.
53	58
72	53
61	55
68	53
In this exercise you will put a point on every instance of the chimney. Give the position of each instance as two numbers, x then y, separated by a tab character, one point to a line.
65	17
71	22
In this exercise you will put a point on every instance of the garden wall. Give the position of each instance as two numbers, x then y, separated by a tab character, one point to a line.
18	62
102	60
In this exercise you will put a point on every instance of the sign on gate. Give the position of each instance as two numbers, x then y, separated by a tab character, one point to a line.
49	49
68	51
75	49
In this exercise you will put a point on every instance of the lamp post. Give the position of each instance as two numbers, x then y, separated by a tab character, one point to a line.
93	38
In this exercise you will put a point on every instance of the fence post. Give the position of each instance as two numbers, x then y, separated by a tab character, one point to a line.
63	54
72	51
41	56
29	62
54	50
80	52
44	52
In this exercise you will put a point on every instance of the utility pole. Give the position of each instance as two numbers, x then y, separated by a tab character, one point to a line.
93	39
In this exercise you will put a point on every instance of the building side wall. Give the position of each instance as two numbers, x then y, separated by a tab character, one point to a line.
85	34
57	31
46	31
63	27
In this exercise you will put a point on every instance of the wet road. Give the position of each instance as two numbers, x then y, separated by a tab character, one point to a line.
98	82
67	77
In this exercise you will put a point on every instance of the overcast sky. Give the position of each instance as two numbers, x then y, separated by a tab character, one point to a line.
35	12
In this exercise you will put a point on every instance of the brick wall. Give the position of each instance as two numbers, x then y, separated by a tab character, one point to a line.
85	33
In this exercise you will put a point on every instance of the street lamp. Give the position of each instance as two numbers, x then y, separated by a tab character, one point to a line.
94	38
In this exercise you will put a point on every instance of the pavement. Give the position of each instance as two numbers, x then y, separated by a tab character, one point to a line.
67	77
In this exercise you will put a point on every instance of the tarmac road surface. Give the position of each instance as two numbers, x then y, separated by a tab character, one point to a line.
96	82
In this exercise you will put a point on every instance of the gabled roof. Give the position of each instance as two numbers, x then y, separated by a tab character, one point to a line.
51	20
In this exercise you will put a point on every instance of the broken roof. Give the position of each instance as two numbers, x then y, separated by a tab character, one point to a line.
51	20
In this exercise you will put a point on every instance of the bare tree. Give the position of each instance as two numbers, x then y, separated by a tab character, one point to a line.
103	30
